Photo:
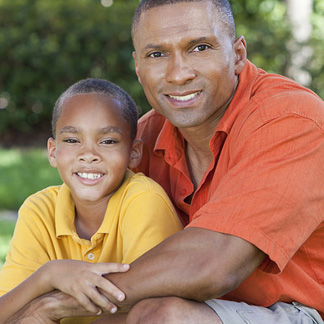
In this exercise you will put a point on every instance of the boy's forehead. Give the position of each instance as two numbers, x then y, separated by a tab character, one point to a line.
92	106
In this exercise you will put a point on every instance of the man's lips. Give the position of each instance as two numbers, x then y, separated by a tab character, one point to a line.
184	97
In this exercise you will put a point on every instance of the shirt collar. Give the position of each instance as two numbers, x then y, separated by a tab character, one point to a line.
64	212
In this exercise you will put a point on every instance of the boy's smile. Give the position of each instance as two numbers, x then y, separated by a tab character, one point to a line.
93	147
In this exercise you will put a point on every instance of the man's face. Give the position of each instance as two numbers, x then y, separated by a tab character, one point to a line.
186	61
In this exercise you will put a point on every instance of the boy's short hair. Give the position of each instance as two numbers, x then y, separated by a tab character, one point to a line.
100	86
223	7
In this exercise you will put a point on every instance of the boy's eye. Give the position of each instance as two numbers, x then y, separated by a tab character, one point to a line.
108	141
70	140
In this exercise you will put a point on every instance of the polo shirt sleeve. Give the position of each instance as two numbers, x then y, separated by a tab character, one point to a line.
28	250
148	218
272	181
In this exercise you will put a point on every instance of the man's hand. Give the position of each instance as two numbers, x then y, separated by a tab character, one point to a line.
49	309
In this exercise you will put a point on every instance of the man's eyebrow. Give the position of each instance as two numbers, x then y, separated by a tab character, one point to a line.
198	40
151	46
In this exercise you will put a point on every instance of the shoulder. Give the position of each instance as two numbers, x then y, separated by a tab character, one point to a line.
40	203
139	184
274	97
278	95
150	124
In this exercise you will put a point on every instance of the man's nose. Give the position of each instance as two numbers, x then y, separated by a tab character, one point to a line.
179	70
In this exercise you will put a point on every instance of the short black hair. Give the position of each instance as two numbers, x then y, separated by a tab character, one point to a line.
223	7
100	86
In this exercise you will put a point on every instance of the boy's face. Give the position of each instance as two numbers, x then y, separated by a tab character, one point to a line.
93	147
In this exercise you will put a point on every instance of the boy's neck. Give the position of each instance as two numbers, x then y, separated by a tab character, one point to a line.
88	219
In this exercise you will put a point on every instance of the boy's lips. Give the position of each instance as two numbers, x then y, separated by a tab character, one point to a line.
90	175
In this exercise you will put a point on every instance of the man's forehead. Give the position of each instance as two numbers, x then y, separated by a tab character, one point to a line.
168	20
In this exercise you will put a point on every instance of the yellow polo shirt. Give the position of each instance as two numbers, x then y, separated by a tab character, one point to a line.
138	217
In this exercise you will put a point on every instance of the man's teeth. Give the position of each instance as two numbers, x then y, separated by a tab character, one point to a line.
91	176
185	98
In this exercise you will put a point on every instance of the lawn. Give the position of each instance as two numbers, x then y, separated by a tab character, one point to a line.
6	230
22	172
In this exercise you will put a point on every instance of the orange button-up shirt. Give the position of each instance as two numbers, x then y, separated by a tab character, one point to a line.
264	185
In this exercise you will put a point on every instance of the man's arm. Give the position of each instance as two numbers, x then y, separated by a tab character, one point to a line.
48	309
195	263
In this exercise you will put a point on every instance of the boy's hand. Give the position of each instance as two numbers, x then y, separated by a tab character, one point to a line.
82	280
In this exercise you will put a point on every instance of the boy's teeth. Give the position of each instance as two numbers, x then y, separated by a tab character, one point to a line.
184	98
91	176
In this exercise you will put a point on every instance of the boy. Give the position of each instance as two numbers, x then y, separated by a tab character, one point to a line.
103	212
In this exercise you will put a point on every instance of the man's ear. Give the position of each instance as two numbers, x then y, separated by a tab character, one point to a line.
136	154
240	54
51	150
136	67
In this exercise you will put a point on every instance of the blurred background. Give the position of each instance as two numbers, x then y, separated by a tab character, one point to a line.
46	45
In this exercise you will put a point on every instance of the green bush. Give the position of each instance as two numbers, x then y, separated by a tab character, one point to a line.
45	46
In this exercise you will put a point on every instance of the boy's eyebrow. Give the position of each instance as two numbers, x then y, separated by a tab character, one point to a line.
110	129
69	129
104	130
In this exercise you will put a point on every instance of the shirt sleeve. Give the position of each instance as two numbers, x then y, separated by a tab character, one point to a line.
148	218
27	248
271	193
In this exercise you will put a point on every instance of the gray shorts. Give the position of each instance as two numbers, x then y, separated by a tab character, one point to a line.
279	313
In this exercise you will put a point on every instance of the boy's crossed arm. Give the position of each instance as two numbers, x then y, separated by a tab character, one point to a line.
78	279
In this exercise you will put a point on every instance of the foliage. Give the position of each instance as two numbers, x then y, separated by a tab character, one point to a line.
45	46
23	172
264	26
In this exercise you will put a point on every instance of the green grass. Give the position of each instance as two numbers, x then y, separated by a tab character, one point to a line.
6	230
23	172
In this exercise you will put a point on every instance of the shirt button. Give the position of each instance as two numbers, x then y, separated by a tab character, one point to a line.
91	256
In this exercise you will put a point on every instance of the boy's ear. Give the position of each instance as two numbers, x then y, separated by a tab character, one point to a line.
136	154
51	149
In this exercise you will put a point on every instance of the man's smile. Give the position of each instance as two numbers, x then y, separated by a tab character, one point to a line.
184	97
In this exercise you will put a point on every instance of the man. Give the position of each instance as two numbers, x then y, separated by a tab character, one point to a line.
241	154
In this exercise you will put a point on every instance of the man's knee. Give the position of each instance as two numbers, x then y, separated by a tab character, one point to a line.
157	311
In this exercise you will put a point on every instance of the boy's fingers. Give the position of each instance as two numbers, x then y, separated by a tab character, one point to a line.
88	304
106	286
101	301
105	268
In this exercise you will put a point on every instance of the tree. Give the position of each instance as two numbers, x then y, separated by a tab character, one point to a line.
45	46
299	14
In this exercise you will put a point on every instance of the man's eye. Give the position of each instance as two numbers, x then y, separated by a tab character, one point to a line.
200	48
155	54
